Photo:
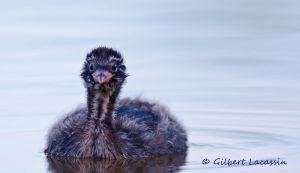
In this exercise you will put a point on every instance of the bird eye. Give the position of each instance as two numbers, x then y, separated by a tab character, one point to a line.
91	67
114	68
123	68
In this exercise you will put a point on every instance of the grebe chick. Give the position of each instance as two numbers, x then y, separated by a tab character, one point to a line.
111	128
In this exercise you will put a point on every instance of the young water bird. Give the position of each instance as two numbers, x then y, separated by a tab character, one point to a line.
111	128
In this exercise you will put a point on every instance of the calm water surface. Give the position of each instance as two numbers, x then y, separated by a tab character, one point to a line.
229	71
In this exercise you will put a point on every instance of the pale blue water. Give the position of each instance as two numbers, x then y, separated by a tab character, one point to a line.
229	70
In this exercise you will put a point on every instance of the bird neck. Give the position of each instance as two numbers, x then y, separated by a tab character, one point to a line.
101	103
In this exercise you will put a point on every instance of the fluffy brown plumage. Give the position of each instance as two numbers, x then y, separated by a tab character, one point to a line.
111	128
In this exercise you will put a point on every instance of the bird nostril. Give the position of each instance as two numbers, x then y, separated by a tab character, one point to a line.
101	76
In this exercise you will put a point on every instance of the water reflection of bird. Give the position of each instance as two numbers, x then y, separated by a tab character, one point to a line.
111	128
162	164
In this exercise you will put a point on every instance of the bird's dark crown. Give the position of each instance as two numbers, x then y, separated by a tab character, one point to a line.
104	59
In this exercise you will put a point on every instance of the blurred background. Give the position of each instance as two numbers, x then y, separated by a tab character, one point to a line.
229	70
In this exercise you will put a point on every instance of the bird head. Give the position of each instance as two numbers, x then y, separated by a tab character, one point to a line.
103	67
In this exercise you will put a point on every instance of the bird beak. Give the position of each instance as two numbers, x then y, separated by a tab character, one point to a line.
101	76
